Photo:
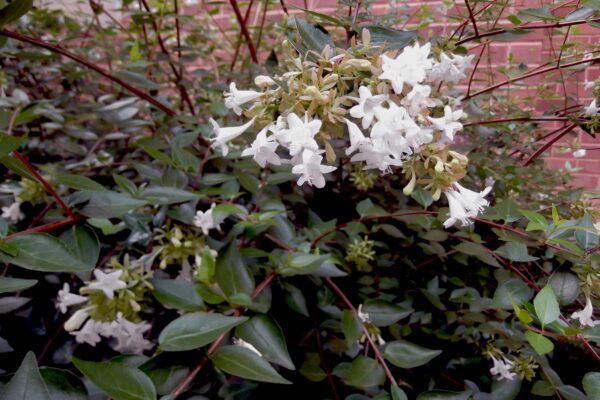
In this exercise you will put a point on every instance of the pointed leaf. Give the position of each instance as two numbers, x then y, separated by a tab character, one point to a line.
8	285
364	373
195	330
27	383
246	364
83	243
541	344
266	336
42	252
119	381
546	306
405	354
231	273
14	11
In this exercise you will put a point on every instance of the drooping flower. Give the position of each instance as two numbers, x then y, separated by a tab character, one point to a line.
13	212
242	343
107	282
365	109
263	149
235	98
586	315
579	153
299	134
592	109
464	204
263	81
67	299
502	369
76	320
408	67
204	220
357	138
448	124
311	170
225	135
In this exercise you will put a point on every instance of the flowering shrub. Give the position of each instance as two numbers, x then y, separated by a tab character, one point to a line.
167	235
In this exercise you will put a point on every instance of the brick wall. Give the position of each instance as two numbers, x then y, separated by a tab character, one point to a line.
534	50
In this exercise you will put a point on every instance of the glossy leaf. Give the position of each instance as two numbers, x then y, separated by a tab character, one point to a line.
195	330
404	354
27	383
546	306
245	363
8	285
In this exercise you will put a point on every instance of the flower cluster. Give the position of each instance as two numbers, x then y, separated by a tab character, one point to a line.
110	306
391	104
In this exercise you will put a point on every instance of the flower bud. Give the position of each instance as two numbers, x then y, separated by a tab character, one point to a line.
76	320
361	65
263	81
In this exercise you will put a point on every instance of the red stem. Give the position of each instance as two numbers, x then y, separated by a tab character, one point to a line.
529	75
378	354
48	227
44	183
244	28
472	17
550	142
59	50
526	27
183	385
519	119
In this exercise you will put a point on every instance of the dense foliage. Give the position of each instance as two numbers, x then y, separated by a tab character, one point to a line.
180	221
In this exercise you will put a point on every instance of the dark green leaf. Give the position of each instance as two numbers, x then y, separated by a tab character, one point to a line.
195	330
313	38
15	10
351	327
231	272
587	238
166	195
514	251
565	286
246	364
591	385
42	252
83	243
536	14
79	182
27	383
177	294
404	354
63	384
266	336
512	291
8	285
383	313
119	381
111	205
444	395
365	373
389	38
546	306
9	143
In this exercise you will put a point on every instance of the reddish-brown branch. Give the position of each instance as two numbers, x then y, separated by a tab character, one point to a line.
472	17
244	28
550	142
59	50
325	366
238	45
378	354
183	385
518	119
531	74
44	183
51	227
526	27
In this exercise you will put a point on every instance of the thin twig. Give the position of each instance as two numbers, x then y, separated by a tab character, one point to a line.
472	17
244	28
59	50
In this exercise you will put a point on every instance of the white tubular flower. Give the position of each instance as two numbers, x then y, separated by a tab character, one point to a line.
76	320
204	220
365	108
242	343
90	333
464	204
409	67
451	68
129	335
310	169
417	99
67	299
586	315
579	153
362	316
13	212
357	138
235	98
225	135
502	369
448	124
592	109
263	149
299	134
107	282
